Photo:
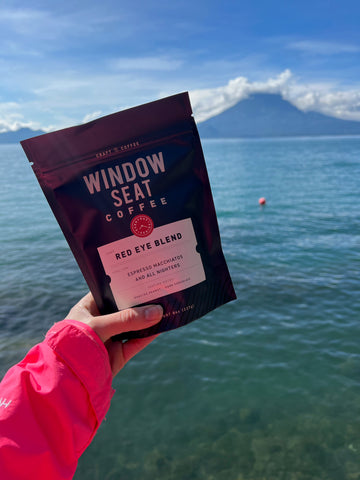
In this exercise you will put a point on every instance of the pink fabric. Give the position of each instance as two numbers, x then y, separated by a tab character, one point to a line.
52	403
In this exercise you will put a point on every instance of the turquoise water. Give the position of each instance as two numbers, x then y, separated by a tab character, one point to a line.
264	388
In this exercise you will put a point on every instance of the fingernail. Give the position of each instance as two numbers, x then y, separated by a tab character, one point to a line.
153	312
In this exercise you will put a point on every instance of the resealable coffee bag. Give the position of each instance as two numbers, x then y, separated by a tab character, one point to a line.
131	194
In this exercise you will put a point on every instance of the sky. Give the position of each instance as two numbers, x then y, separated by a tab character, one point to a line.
65	63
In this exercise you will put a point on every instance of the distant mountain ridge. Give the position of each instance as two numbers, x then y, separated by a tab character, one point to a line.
259	115
269	115
18	135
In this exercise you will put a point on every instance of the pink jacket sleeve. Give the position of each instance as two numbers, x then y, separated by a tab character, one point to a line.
52	403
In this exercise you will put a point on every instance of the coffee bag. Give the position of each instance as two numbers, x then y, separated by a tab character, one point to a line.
131	194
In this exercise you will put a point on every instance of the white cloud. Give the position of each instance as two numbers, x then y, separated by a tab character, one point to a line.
314	47
60	98
12	125
145	63
55	29
11	118
20	16
209	102
92	116
319	97
341	104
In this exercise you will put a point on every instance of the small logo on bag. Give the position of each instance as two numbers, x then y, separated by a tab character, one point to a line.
142	225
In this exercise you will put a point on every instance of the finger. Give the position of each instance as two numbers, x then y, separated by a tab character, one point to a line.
85	307
120	353
89	304
127	320
134	346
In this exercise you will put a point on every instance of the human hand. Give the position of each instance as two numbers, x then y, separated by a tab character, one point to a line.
106	326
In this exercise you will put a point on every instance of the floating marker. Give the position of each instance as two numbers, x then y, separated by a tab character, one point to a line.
262	201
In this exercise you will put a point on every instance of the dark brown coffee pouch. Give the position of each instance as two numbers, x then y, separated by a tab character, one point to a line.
131	194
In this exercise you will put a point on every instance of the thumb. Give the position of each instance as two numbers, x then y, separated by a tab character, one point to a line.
137	318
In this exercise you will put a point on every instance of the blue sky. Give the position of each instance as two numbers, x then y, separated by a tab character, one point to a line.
66	62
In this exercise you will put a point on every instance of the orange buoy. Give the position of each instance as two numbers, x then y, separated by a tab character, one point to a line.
262	201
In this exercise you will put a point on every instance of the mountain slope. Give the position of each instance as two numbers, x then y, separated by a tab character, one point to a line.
18	135
269	115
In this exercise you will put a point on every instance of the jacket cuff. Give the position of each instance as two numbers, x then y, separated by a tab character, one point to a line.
84	353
